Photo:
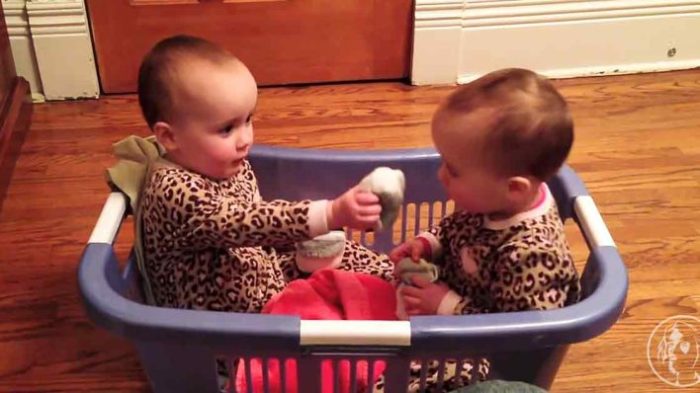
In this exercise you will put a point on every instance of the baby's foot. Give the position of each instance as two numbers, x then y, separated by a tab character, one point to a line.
321	252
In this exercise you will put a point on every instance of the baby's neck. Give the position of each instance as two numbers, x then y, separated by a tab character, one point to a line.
534	200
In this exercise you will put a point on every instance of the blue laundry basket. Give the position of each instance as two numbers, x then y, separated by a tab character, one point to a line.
178	348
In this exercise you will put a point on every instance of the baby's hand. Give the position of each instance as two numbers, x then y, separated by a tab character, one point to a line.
424	298
414	248
356	209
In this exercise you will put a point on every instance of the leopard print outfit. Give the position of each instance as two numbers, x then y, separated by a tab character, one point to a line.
216	245
522	263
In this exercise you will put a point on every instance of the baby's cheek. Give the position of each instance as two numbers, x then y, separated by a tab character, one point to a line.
465	201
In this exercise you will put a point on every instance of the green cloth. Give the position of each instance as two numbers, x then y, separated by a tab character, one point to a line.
136	156
497	386
407	268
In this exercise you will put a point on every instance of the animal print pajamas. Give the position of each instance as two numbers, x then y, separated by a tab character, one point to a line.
521	263
216	245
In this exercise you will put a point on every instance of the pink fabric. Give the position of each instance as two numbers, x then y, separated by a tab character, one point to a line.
332	295
541	197
427	247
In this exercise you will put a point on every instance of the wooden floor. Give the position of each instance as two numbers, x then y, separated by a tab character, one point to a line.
637	148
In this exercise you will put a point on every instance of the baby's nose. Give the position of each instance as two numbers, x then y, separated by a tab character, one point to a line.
243	147
245	141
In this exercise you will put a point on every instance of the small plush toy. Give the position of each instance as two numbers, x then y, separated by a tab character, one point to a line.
389	185
406	269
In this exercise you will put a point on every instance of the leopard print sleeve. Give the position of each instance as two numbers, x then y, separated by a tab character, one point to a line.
199	217
527	278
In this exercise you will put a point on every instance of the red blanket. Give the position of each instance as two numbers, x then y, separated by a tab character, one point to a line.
327	294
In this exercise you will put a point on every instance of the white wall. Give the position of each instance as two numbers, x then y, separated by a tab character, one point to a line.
458	40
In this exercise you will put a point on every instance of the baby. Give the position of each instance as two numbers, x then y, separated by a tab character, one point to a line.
501	138
209	240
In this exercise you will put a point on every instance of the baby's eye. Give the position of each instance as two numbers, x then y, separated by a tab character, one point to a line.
226	129
249	119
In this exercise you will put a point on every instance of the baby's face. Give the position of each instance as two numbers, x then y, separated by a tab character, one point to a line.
213	121
464	173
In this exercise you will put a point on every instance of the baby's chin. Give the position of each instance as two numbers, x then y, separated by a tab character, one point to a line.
225	174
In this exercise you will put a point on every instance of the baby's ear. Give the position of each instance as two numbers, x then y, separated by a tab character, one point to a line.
519	186
165	136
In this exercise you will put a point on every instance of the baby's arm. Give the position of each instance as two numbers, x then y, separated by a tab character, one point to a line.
523	279
428	244
203	219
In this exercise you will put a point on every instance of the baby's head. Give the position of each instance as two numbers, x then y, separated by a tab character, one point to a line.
500	137
199	100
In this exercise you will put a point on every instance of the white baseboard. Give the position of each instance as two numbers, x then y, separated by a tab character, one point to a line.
22	46
555	38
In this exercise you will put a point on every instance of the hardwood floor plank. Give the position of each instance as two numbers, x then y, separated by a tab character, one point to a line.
637	148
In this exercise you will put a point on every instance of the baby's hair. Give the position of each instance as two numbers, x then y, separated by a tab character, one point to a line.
529	129
159	69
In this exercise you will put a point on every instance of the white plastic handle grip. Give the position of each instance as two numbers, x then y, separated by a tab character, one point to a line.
110	219
592	224
371	333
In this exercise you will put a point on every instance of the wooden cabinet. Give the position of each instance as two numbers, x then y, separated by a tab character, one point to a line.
15	109
7	66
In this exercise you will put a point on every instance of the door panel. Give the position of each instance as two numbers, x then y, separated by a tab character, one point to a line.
281	41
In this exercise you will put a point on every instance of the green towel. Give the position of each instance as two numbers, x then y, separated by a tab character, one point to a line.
407	268
497	386
136	156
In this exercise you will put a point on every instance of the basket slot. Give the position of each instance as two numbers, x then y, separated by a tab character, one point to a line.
404	224
229	368
267	363
336	373
397	374
429	217
370	366
308	374
441	373
353	375
423	373
248	374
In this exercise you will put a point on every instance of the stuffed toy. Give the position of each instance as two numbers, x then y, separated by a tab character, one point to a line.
406	269
389	185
